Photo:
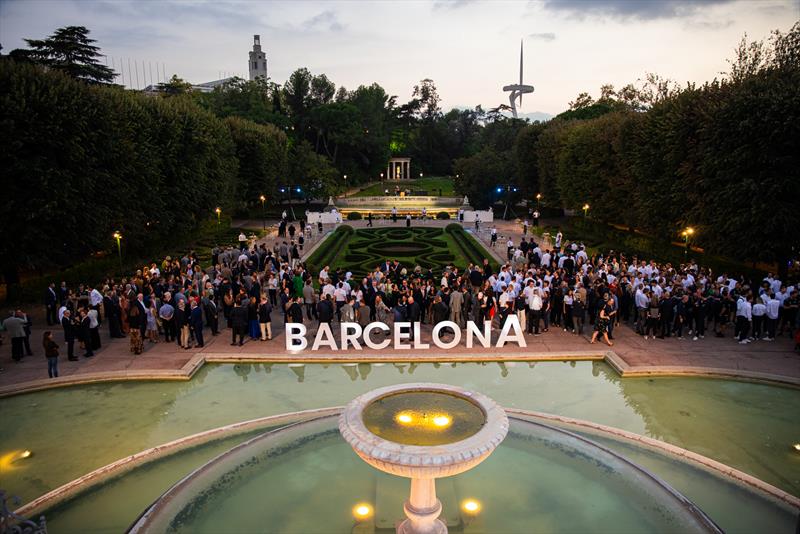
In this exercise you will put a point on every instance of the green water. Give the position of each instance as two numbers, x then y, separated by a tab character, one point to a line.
74	430
423	418
306	479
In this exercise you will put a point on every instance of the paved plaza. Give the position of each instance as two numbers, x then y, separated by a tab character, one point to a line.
716	356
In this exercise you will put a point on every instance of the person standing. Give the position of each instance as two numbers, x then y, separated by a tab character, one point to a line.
408	220
744	315
135	320
68	324
536	216
15	327
94	328
456	304
51	304
152	324
264	319
239	322
51	353
394	214
196	323
167	314
369	219
86	333
182	324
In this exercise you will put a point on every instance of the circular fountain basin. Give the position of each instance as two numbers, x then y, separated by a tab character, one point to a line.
304	478
423	430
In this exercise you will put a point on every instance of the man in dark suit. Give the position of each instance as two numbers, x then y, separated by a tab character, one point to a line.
86	333
69	334
196	323
325	311
239	322
51	304
414	312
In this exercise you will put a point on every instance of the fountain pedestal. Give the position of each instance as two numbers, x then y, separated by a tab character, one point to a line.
422	509
423	432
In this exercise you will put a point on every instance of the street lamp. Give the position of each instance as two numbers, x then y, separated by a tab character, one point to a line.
118	237
263	199
585	210
686	235
538	200
219	215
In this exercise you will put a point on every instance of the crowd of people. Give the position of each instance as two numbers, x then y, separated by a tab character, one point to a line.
248	287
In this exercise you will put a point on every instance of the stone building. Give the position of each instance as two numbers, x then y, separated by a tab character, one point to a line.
258	60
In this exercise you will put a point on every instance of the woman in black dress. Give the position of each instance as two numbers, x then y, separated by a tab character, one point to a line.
601	325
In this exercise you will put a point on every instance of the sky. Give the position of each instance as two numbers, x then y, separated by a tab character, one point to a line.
470	48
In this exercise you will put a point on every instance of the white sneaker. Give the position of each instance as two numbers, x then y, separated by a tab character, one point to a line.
743	342
694	338
645	337
702	337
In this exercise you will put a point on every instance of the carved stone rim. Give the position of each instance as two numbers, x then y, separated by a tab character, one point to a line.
367	444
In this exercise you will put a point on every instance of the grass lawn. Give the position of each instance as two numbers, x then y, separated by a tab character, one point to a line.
432	185
96	268
360	251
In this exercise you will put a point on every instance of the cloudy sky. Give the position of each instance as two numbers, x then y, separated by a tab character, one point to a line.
469	48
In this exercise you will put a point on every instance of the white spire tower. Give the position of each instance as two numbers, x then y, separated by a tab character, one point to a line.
258	60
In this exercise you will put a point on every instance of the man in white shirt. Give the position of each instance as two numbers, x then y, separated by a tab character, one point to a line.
773	310
744	315
324	275
535	311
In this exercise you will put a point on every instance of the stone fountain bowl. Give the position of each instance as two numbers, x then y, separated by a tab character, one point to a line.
423	461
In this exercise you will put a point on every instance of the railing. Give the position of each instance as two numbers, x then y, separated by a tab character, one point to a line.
390	200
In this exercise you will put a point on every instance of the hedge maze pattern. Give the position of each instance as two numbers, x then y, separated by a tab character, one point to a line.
431	248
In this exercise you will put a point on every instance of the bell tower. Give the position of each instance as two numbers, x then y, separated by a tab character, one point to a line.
258	60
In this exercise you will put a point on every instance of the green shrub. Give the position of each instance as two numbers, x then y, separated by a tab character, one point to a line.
443	216
354	216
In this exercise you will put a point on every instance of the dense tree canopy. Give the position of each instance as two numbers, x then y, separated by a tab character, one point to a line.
722	158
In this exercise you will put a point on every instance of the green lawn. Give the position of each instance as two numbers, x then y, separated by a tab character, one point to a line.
431	185
360	251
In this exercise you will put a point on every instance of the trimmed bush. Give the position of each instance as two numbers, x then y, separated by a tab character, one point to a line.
354	216
443	216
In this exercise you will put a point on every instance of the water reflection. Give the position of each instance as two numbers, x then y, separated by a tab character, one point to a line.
242	369
300	370
364	369
350	369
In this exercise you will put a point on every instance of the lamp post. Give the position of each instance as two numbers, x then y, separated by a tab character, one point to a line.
585	210
686	235
118	237
263	200
219	215
538	201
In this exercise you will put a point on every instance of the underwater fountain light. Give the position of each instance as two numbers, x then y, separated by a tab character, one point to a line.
362	511
471	506
796	446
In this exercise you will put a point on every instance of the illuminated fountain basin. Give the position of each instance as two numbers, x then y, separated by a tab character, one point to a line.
304	478
423	432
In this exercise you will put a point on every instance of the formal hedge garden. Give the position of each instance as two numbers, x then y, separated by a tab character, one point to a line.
361	251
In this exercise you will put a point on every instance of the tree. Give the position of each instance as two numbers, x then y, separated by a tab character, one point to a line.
69	50
175	86
428	99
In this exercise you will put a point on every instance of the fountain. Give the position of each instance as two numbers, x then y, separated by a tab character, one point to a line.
423	432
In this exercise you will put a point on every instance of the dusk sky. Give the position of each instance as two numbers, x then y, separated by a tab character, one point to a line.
469	48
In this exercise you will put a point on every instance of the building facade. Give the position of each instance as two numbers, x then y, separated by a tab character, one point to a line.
258	60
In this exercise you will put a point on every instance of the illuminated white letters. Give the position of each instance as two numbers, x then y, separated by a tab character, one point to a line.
296	336
353	335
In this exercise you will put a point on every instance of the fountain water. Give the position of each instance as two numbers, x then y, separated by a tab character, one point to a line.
423	432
